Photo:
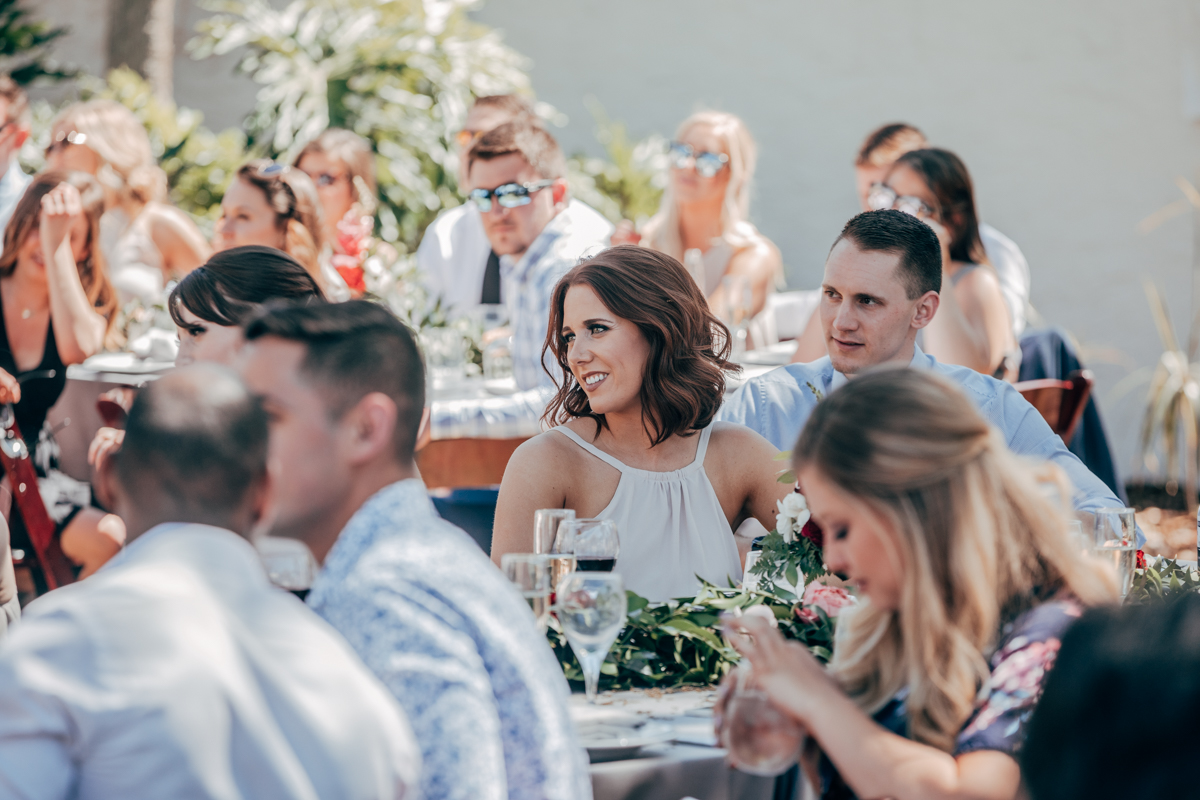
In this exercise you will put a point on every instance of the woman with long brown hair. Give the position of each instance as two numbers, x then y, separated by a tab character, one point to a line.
56	308
967	577
643	364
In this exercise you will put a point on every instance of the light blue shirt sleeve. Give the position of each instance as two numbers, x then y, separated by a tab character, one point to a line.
775	405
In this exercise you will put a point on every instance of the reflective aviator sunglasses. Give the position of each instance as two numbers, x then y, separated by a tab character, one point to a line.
707	164
883	196
509	195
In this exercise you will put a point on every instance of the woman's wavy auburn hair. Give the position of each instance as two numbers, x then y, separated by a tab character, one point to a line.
293	197
972	533
684	381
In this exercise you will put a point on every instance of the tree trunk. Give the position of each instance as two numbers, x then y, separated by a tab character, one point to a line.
141	35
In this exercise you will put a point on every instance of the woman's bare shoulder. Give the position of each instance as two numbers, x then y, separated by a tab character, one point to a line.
548	451
736	441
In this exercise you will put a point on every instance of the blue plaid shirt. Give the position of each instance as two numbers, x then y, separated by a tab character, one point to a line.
778	403
431	615
526	285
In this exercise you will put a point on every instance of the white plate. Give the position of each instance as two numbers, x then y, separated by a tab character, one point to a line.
608	741
126	363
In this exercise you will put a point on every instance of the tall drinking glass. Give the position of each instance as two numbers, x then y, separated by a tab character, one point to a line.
1115	540
591	608
530	573
761	739
593	541
545	527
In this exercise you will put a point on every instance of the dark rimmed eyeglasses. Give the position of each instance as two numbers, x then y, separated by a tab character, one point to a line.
707	164
64	138
510	195
881	196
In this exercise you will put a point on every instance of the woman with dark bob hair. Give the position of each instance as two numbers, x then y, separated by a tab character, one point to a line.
644	364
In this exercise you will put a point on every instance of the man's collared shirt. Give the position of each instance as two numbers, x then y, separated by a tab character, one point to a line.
177	670
777	405
458	646
12	186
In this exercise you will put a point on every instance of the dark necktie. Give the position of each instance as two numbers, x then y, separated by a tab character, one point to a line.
491	280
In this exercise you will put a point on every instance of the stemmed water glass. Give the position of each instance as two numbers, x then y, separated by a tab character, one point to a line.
594	542
531	574
591	608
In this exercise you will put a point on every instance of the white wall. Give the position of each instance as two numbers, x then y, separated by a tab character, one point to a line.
1073	117
1070	116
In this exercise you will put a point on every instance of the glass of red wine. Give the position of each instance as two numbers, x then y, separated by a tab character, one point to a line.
594	542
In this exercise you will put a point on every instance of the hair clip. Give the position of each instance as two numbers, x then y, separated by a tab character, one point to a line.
274	168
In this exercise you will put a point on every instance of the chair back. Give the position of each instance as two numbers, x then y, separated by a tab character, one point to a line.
1060	403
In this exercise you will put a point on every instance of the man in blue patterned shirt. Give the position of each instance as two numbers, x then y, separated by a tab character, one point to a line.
516	176
881	286
421	604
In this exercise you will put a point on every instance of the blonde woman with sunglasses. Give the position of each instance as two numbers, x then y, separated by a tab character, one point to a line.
146	241
967	577
704	218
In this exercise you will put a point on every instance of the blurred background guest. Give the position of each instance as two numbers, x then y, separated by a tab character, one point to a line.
180	671
274	205
56	308
416	598
516	178
967	576
643	364
341	165
1120	672
456	258
15	124
704	218
146	241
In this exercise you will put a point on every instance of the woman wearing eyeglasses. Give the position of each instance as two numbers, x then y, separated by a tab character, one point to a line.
146	241
703	219
274	205
341	165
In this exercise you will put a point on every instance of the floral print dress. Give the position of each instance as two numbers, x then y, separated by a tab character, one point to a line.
1022	659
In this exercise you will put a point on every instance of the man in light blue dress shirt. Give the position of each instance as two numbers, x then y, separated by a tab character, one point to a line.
418	600
881	285
15	123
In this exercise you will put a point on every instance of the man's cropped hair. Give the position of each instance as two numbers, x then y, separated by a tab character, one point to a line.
531	141
514	105
890	231
353	349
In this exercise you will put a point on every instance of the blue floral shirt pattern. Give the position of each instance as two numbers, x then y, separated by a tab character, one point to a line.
431	615
1023	657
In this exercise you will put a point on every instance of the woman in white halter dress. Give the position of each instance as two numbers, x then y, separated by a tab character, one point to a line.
643	362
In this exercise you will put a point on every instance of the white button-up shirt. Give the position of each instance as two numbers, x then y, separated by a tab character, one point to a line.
178	671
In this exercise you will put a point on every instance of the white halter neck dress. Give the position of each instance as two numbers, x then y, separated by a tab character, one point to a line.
671	525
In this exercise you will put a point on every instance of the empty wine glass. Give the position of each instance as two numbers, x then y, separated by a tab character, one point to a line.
545	527
760	738
530	573
591	608
594	542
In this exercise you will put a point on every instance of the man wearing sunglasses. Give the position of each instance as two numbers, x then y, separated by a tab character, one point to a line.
456	259
14	130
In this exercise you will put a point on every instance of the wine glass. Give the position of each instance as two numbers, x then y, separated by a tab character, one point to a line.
594	542
591	608
761	739
545	527
1115	539
530	573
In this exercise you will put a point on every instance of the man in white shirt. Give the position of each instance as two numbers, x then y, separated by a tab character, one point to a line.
177	670
455	258
880	150
14	130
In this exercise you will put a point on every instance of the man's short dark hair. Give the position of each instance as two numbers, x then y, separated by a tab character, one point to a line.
354	349
890	231
195	439
514	105
531	141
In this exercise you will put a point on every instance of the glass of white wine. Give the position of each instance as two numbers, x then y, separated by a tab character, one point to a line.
530	573
591	608
1115	541
545	527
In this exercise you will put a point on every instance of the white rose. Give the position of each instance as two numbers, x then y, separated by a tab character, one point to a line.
792	516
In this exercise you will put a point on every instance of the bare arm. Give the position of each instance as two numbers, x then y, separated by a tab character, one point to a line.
78	328
178	239
757	265
536	477
875	762
741	466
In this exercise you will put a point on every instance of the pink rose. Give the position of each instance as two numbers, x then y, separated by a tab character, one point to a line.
830	599
806	615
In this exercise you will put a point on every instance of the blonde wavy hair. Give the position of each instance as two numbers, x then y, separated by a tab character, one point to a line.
662	231
114	134
976	541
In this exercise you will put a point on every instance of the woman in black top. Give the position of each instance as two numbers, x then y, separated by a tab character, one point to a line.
56	308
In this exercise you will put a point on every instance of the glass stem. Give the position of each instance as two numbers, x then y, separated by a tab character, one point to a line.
590	664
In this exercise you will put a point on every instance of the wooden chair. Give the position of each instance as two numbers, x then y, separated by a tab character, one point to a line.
1060	403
